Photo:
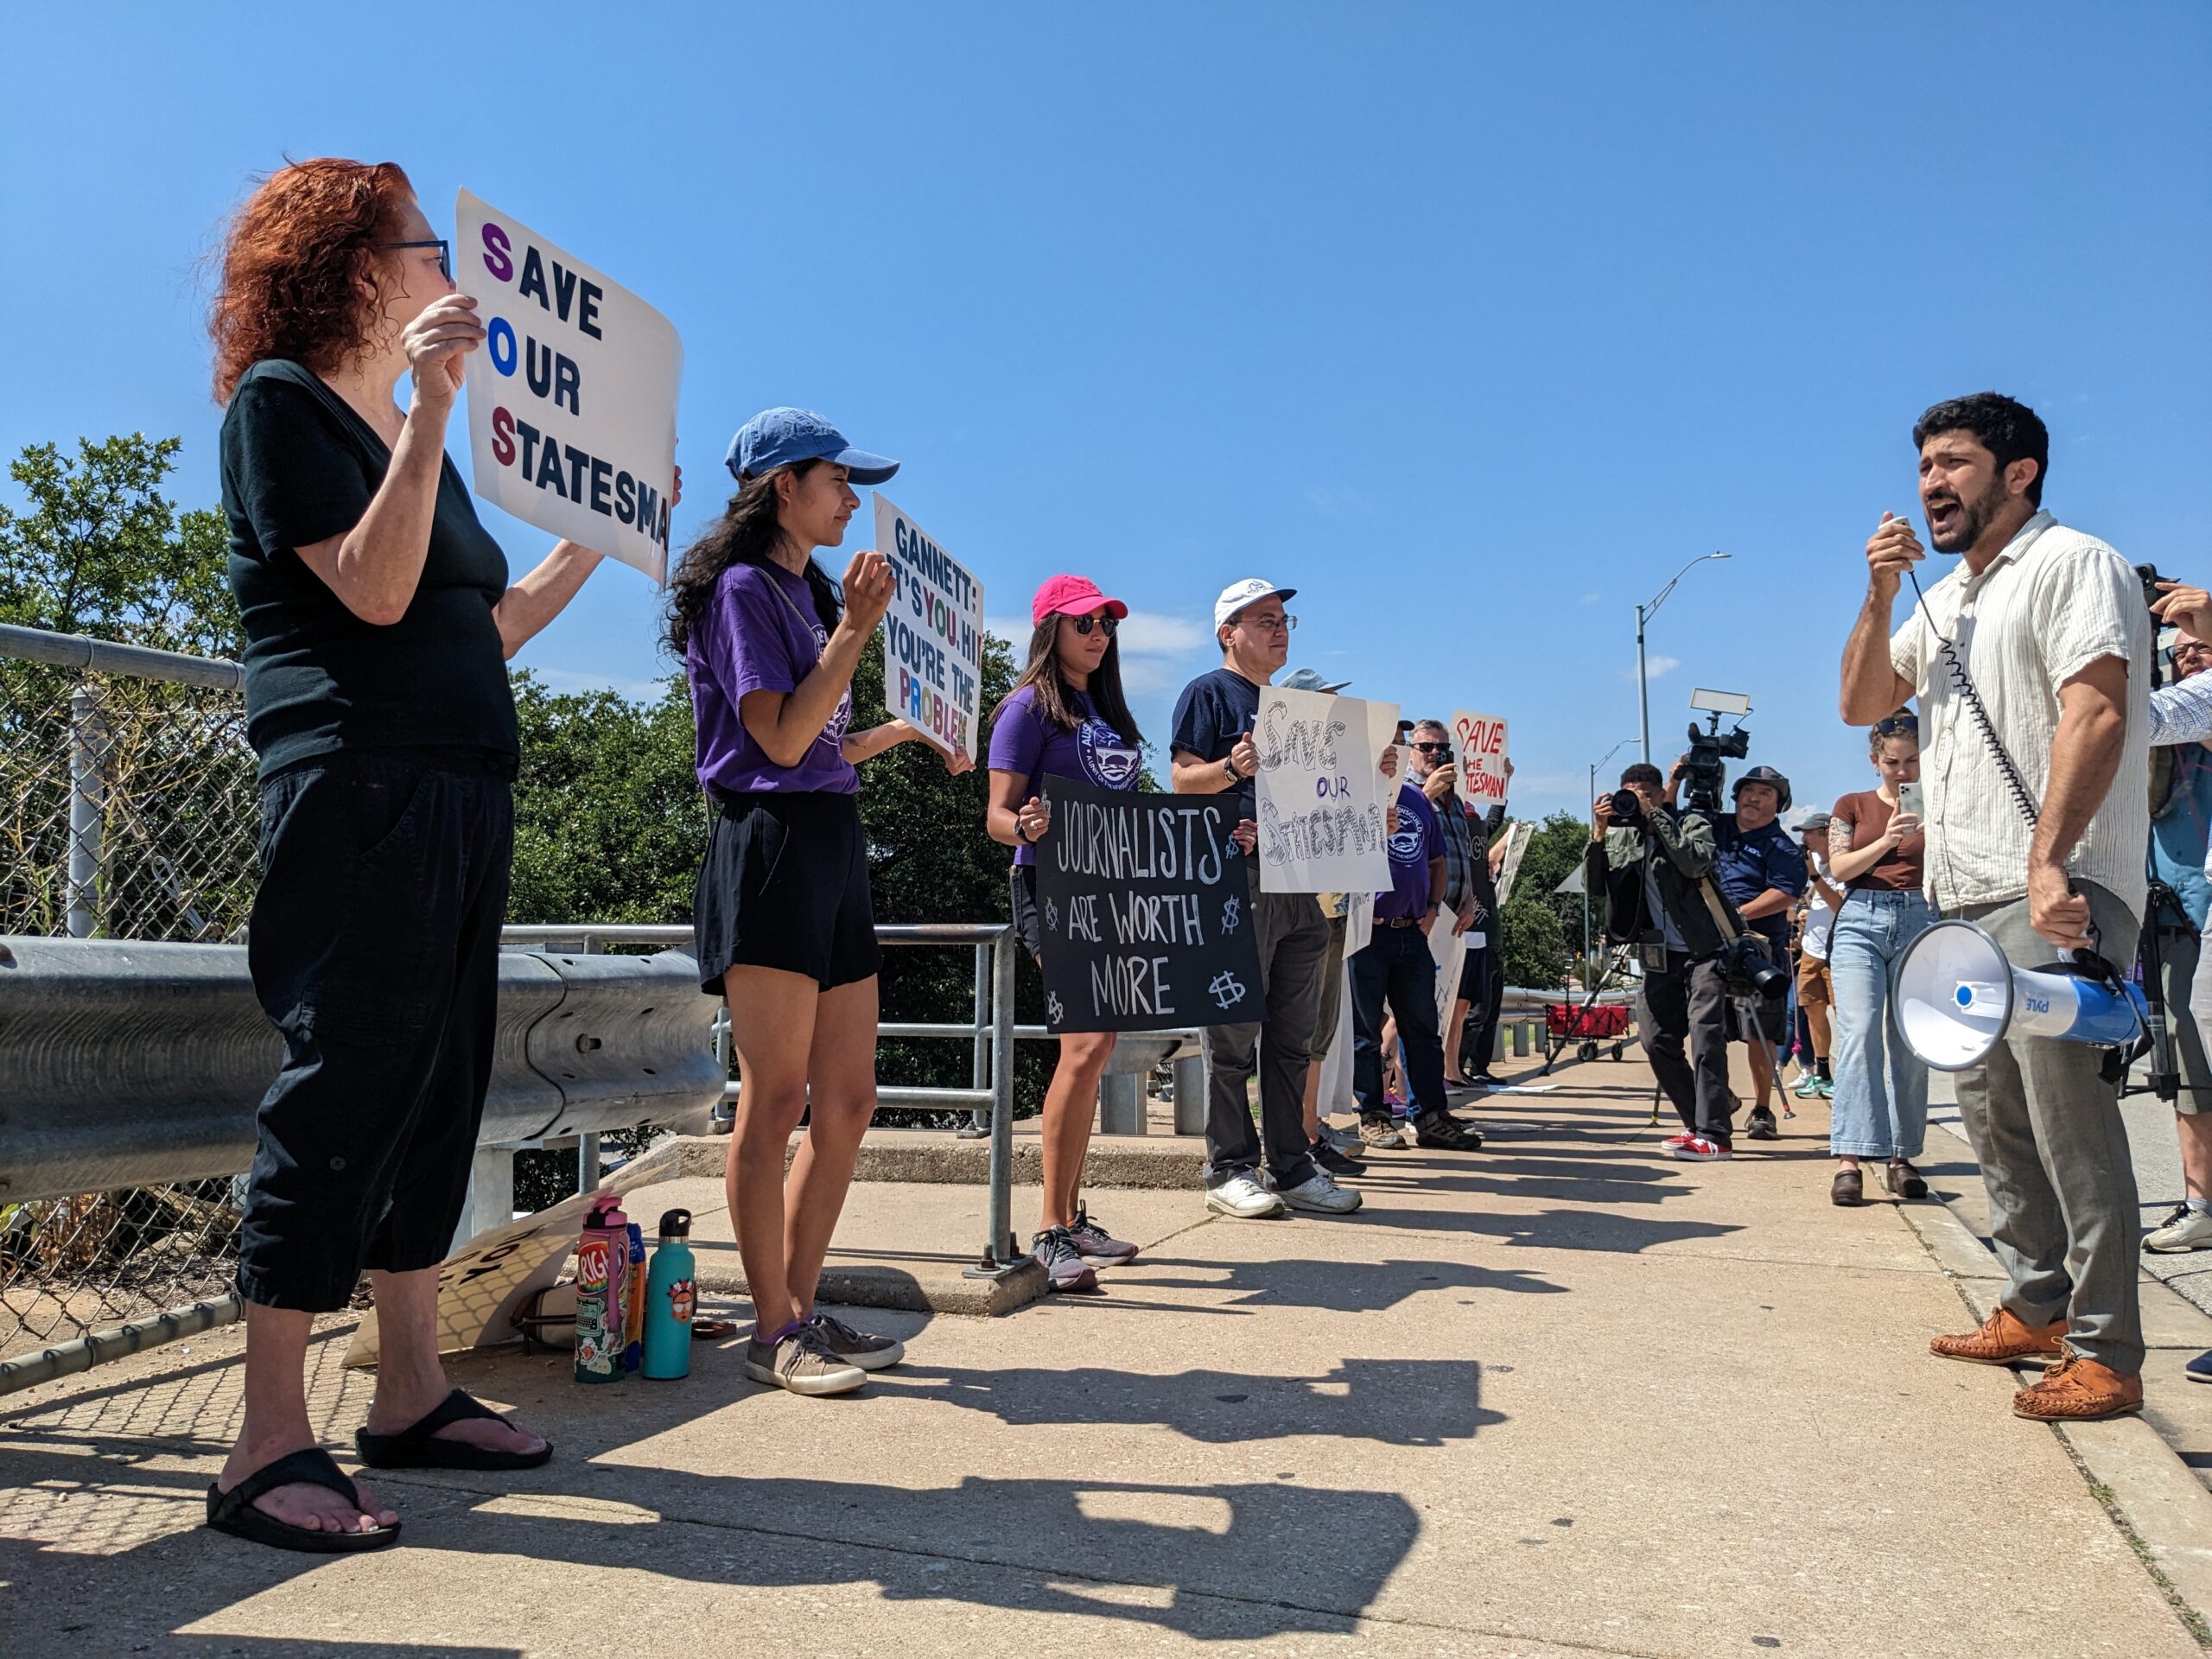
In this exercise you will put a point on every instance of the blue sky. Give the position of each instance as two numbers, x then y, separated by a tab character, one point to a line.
1473	321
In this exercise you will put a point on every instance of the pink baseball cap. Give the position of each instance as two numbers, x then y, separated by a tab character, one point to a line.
1072	596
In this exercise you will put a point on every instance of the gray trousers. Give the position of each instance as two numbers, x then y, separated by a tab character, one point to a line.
2179	953
1294	939
2053	1149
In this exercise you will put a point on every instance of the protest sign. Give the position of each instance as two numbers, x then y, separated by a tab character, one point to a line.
1450	950
932	634
572	395
1144	910
1321	797
482	1285
1479	748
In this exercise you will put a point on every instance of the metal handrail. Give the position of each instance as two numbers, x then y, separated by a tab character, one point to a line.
992	1031
107	657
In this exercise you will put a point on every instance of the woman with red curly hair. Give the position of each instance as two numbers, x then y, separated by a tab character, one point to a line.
379	619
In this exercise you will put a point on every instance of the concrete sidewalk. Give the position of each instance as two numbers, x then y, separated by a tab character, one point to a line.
1561	1396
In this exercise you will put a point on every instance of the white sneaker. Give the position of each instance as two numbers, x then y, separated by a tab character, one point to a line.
1242	1197
2184	1230
1317	1191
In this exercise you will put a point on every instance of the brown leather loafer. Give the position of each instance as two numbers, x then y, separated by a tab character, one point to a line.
2003	1340
1903	1180
2078	1390
1848	1188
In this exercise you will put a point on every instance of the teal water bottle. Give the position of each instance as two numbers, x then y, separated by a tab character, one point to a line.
670	1290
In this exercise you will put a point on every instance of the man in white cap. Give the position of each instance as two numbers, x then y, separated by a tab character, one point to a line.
1213	754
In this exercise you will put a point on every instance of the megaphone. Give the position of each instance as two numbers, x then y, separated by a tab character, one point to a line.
1953	995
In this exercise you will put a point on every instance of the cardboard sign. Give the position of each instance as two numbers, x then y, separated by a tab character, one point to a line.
1450	950
572	396
1145	912
481	1285
1321	794
1479	747
932	634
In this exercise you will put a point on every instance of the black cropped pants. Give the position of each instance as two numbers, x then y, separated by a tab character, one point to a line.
374	947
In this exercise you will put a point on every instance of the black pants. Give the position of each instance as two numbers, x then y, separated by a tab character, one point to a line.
1483	986
1687	1000
1396	965
1293	938
375	948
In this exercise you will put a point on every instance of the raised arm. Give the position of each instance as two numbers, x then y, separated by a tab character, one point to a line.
784	723
1871	685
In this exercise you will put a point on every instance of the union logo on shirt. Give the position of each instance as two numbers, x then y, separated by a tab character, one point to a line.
1107	761
840	723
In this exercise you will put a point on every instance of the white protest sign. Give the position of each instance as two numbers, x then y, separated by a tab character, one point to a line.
1450	951
1478	749
482	1285
932	634
1320	796
572	395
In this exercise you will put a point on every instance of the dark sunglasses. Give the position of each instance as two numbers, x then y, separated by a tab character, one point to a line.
444	248
1105	625
1434	748
1897	725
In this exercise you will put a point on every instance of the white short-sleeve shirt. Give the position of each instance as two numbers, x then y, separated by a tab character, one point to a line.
2053	602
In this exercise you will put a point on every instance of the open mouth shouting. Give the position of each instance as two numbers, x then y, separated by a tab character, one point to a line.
1947	521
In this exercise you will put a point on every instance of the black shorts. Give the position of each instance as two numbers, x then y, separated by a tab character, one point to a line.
785	885
1027	927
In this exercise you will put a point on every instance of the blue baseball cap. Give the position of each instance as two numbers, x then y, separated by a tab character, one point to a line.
779	437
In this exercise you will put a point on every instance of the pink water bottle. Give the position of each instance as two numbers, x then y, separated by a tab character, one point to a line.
602	1271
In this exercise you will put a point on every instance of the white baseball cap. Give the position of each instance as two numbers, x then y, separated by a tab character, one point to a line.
1240	595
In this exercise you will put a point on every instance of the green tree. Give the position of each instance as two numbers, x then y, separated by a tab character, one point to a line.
98	548
1540	923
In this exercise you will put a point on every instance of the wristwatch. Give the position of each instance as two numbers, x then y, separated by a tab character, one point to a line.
1229	766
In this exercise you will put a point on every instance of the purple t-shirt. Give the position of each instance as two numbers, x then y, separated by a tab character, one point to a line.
752	640
1031	747
1420	838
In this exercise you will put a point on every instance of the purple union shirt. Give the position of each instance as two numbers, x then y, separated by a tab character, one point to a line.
1029	746
750	639
1420	838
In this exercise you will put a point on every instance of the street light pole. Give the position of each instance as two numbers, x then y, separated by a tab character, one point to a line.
1644	613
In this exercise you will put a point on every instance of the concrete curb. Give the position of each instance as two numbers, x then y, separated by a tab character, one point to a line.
2137	1462
931	1290
934	1158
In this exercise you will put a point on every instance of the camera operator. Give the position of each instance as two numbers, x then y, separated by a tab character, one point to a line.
1648	859
1761	871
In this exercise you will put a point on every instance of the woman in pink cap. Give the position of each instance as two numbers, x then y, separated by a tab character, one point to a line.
1065	718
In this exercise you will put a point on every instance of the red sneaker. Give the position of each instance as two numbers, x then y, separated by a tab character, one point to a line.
1696	1149
1675	1142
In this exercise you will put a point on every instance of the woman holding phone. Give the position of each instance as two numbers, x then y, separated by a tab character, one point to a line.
784	925
1065	718
1875	848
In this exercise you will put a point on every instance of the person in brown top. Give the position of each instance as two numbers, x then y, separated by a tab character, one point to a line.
1880	1103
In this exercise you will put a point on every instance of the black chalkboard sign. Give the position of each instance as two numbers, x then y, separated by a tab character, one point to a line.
1145	909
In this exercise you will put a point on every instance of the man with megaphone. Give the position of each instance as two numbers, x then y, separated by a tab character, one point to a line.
2030	664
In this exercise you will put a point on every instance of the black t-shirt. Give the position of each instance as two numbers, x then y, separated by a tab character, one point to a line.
1214	712
300	467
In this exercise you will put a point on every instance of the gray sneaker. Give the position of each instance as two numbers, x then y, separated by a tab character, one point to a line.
870	1353
1095	1244
1316	1193
1064	1264
801	1362
1381	1134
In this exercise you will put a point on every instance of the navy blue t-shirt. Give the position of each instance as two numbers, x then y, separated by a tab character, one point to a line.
1747	863
1211	716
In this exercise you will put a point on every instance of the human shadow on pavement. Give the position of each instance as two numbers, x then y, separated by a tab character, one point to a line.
1366	1286
1224	1561
1393	1402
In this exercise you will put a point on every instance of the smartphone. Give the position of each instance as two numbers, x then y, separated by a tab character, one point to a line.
1909	799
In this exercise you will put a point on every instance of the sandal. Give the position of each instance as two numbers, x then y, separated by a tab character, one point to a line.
420	1448
233	1511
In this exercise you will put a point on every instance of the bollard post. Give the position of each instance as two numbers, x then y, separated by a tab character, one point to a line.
1520	1040
1190	1094
87	804
1121	1103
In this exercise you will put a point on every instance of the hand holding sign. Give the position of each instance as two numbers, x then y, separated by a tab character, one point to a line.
1480	742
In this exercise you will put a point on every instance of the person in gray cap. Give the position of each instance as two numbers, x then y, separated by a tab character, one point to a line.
1212	753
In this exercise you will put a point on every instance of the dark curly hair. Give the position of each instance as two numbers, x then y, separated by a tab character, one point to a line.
747	533
2008	428
292	261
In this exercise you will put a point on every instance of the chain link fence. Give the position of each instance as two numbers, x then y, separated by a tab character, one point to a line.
127	810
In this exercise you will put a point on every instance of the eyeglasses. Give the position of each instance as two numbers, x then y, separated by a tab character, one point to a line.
444	248
1898	725
1269	624
1434	748
2191	654
1105	625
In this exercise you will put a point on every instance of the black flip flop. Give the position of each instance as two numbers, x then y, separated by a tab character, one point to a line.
420	1448
233	1511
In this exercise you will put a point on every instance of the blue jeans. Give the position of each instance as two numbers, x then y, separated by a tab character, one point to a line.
1880	1108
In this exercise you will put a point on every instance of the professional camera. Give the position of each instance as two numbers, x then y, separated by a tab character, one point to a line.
1703	771
1747	970
1627	809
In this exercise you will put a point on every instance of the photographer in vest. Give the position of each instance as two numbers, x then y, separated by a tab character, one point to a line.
2036	828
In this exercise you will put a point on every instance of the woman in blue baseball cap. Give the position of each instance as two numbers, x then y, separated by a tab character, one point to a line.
784	926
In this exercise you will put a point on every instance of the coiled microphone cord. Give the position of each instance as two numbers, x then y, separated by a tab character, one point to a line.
2015	785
